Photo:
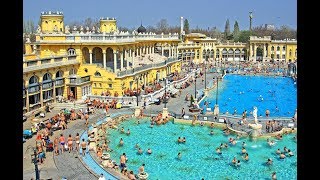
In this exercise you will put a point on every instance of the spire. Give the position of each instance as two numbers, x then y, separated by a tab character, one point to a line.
141	22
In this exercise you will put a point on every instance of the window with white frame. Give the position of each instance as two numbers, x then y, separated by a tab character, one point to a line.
71	52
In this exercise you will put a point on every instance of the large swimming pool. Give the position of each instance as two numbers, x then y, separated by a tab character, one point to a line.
199	158
265	92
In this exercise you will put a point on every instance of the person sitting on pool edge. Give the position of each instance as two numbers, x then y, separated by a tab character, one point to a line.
211	125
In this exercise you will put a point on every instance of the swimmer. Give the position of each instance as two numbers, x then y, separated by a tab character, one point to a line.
179	140
218	150
246	156
277	109
273	176
179	155
290	153
128	132
269	161
282	156
272	143
121	142
234	161
140	151
285	149
238	163
149	151
243	151
244	144
211	132
184	139
278	151
122	130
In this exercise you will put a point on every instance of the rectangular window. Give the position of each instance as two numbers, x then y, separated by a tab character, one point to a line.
34	99
278	56
24	102
59	91
47	94
110	85
283	56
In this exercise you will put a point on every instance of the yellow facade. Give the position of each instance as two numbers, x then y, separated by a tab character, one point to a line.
108	25
52	22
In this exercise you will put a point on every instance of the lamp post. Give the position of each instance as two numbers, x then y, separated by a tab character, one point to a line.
165	92
205	72
195	86
137	82
216	106
36	164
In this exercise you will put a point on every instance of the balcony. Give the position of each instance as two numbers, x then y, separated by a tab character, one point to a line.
46	85
139	69
33	89
40	65
79	80
59	82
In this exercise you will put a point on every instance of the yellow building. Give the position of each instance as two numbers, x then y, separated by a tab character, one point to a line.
93	60
81	61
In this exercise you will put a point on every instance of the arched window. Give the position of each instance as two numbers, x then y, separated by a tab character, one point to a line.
46	77
290	53
59	74
272	48
97	74
72	71
278	48
33	80
283	48
71	52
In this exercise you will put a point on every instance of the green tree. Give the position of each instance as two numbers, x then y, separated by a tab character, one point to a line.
186	26
236	31
227	29
244	36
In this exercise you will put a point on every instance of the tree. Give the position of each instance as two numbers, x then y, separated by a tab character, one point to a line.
236	31
163	25
244	36
186	26
227	29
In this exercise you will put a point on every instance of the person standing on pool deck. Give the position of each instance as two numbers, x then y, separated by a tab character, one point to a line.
183	112
84	147
123	161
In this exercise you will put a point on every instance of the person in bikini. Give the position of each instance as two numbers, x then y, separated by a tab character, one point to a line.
70	143
62	142
84	147
77	139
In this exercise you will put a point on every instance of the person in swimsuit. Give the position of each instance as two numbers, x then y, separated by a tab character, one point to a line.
77	139
56	145
86	117
84	147
62	142
70	143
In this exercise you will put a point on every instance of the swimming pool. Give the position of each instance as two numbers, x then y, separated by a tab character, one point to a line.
243	92
199	159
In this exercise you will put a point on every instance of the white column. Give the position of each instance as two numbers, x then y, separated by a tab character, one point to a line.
121	60
132	57
140	51
169	51
104	59
152	49
115	62
90	52
162	50
127	58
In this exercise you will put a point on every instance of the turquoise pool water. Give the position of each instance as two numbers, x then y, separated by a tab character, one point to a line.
199	158
243	92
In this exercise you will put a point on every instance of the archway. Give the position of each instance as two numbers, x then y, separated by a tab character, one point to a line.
85	55
259	53
97	57
109	56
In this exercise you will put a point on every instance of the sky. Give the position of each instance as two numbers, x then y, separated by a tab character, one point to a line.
200	13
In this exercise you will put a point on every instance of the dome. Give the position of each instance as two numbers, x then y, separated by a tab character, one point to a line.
142	29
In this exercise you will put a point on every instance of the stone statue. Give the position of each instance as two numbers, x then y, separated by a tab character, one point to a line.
98	30
75	28
87	29
93	29
39	29
67	29
255	114
81	30
55	28
34	48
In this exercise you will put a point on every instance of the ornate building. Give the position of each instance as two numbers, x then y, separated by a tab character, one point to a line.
73	62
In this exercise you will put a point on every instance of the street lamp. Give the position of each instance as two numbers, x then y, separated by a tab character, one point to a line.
205	72
34	160
165	92
137	81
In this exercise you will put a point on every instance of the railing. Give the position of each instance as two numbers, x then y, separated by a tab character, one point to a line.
59	82
145	67
47	85
33	89
46	66
79	80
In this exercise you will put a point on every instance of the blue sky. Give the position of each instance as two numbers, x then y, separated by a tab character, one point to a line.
201	13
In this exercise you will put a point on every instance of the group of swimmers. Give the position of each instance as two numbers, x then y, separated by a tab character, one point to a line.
287	151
